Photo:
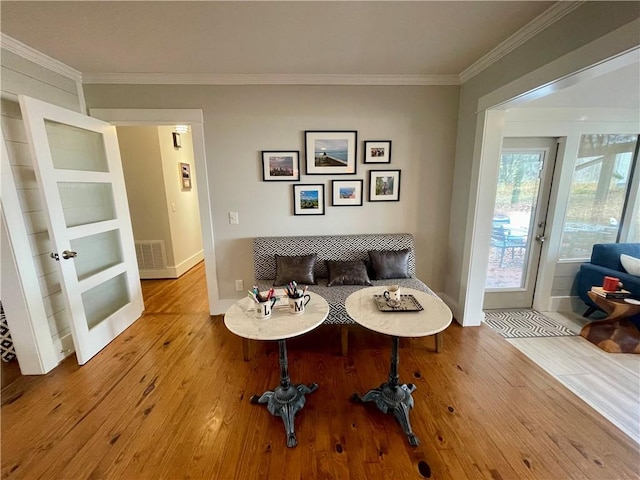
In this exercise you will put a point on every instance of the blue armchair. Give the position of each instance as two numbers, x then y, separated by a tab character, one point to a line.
605	260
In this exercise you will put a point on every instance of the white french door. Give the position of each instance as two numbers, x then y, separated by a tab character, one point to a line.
79	173
519	221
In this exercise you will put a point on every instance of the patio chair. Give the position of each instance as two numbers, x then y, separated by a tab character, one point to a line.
502	239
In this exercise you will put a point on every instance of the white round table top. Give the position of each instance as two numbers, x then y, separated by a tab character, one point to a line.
240	319
435	317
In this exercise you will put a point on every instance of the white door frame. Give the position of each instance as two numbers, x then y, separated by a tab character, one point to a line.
557	75
193	117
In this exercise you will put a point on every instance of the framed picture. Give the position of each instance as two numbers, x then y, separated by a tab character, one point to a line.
185	176
377	151
346	193
308	199
280	166
384	185
176	140
331	153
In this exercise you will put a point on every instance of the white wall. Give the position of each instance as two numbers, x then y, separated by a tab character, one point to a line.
39	321
144	179
240	121
182	204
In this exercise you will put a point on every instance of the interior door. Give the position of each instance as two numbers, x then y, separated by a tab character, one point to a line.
518	224
79	173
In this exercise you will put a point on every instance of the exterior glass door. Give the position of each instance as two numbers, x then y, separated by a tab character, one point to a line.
77	164
518	221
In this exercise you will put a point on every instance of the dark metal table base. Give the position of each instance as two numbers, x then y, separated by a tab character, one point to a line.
392	397
286	399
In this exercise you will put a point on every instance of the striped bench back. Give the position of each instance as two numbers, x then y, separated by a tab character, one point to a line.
327	247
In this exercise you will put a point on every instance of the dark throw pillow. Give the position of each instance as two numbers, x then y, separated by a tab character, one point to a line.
298	268
389	263
347	273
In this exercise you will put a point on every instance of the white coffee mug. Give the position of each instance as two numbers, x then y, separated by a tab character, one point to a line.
296	305
392	294
263	309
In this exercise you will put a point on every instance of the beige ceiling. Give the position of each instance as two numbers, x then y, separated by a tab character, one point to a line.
277	38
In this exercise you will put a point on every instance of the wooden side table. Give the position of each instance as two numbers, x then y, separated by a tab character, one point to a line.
614	334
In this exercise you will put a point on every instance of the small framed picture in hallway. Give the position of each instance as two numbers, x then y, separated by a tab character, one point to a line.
185	175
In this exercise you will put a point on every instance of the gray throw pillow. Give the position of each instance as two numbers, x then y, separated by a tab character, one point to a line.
297	269
389	263
347	273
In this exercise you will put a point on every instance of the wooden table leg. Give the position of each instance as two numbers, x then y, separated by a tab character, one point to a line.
614	334
246	349
438	342
344	340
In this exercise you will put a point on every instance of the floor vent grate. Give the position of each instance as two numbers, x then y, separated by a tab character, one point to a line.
151	255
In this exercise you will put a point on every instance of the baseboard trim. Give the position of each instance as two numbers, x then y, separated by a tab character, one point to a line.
189	263
565	304
173	271
158	274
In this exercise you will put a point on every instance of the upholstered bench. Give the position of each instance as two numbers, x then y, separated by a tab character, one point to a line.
340	248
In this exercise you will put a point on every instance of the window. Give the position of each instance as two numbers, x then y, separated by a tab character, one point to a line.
600	186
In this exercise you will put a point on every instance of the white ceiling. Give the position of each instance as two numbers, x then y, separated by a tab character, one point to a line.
442	39
287	37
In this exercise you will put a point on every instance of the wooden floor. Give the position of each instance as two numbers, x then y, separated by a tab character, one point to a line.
169	398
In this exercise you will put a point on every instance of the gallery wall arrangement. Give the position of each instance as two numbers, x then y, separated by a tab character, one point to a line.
333	152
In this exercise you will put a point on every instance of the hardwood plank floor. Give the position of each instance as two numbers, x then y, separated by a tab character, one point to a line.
169	398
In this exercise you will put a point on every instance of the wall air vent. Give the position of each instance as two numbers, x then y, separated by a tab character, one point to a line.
151	255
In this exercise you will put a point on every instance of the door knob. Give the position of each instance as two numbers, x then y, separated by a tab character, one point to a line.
67	254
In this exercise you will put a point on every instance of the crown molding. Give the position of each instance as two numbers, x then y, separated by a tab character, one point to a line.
542	21
266	79
25	51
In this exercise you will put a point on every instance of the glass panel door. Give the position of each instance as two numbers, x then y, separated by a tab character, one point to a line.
80	177
522	194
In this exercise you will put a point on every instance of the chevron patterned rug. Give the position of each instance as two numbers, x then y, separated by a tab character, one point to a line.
524	324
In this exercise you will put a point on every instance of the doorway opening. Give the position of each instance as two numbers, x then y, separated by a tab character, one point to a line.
519	219
162	192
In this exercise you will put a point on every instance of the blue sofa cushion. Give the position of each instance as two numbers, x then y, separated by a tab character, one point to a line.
608	254
605	261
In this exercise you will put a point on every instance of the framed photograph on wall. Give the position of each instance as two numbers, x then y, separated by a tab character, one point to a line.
331	152
280	166
377	151
308	199
185	175
346	193
384	185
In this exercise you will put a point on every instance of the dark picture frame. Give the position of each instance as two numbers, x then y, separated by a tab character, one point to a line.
185	175
331	152
384	185
308	199
177	143
346	193
377	151
280	165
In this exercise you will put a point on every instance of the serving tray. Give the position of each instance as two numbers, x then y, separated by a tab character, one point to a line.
408	303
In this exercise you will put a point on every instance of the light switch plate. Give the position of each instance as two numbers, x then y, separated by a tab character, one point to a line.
233	218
